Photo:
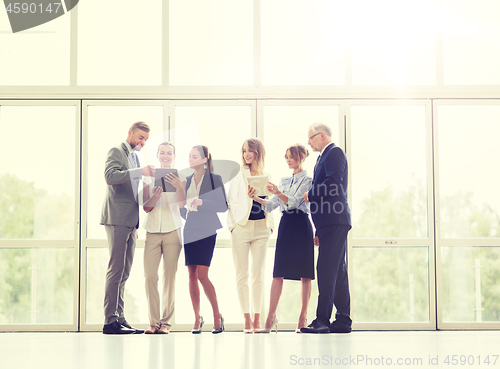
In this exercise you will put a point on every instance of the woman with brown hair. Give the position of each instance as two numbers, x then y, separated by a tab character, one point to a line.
205	197
163	238
250	230
294	258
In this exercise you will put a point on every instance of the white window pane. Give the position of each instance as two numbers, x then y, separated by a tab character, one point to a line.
470	279
301	43
36	286
471	39
389	172
119	43
288	125
38	176
135	293
393	42
107	127
390	284
210	42
221	128
468	175
36	57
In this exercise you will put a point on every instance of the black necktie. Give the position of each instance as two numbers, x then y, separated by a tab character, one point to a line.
317	161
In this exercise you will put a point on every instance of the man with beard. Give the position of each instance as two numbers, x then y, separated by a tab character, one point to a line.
120	217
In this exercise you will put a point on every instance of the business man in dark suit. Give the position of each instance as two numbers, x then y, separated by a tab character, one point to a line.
332	218
120	217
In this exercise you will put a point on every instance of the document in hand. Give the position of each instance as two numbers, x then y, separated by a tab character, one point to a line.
160	174
259	183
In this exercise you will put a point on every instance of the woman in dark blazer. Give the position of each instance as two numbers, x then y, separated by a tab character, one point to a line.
205	197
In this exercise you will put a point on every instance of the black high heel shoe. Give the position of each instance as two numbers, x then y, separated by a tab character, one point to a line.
221	329
198	331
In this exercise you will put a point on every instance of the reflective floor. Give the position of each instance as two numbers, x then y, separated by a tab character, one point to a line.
236	350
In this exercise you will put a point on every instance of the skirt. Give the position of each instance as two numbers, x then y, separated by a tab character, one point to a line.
200	252
294	257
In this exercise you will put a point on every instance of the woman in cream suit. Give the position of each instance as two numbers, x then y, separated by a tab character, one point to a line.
250	230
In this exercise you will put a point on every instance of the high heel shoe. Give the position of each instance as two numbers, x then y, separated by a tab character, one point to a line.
274	324
297	330
248	330
221	329
198	331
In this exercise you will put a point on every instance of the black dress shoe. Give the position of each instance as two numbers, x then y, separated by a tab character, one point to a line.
316	326
116	328
126	325
338	327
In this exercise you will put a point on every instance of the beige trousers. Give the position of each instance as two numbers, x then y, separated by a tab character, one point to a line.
170	246
252	238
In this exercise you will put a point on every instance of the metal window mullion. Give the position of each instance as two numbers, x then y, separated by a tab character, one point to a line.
256	44
165	43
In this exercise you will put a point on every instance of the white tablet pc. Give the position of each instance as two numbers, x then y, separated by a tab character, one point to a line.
259	184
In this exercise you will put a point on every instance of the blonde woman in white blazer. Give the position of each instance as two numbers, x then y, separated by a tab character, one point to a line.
250	230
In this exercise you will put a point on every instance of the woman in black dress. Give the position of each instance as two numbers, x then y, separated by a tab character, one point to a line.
294	258
205	197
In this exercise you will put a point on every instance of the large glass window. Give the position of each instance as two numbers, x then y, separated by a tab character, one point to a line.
39	178
302	43
36	57
119	43
390	284
389	172
468	179
471	33
470	280
393	42
210	43
37	285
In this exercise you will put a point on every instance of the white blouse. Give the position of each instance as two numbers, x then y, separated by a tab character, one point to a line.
193	193
165	216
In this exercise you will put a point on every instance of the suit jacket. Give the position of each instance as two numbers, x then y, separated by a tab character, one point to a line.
328	194
240	203
204	222
120	204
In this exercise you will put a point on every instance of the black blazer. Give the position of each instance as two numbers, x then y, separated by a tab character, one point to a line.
328	195
204	222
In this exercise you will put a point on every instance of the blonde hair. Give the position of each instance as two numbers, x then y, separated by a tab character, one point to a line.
139	125
298	152
255	145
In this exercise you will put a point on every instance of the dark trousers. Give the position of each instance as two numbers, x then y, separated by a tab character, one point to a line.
333	284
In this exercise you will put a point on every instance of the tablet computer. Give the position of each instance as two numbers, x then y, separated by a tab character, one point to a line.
160	174
259	184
